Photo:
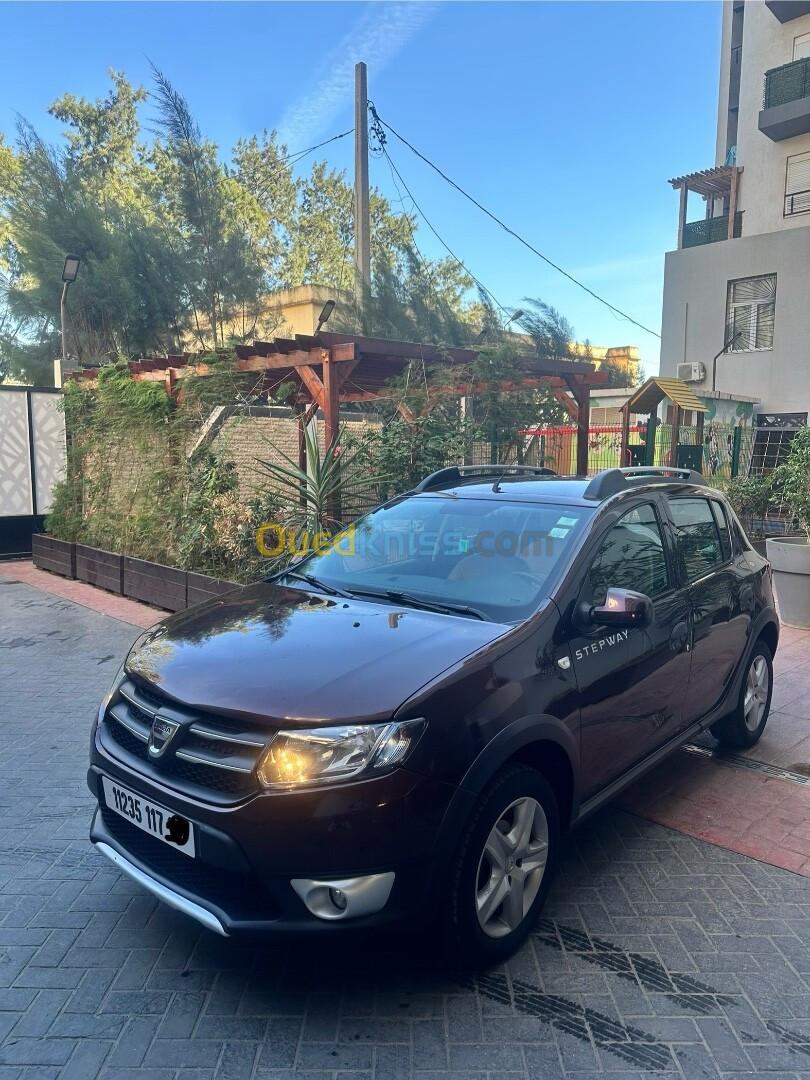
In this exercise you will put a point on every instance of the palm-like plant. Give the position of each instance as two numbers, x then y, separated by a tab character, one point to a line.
312	498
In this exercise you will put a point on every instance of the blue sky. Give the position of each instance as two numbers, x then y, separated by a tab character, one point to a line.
565	119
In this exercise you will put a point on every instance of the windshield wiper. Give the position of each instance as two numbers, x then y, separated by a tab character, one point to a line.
314	582
425	605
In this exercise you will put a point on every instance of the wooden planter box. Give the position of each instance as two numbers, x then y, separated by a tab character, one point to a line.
200	587
102	568
155	584
58	556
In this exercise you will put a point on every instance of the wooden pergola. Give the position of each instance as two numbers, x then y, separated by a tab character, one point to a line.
722	183
328	370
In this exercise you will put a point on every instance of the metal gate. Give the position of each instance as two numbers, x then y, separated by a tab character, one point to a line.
32	460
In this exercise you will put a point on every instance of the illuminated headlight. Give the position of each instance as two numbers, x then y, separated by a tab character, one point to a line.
296	759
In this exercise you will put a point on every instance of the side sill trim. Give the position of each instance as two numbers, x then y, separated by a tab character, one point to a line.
168	896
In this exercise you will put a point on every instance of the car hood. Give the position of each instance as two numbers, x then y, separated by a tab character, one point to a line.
271	652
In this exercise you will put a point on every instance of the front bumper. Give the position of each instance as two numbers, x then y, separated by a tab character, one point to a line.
249	854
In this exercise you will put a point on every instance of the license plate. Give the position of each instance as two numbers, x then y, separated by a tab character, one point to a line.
153	819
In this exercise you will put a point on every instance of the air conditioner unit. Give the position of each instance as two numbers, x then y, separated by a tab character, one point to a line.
691	372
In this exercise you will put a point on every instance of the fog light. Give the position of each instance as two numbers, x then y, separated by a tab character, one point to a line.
348	898
338	898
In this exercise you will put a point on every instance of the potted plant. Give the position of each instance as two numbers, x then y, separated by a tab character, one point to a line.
790	555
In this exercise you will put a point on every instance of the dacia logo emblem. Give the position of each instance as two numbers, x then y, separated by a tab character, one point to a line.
161	734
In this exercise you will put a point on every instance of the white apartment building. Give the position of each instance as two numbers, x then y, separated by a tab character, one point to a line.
736	308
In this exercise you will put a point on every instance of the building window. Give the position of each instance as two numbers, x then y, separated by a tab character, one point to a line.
797	185
801	46
750	313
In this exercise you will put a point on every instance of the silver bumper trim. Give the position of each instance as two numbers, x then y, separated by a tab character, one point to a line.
168	896
360	895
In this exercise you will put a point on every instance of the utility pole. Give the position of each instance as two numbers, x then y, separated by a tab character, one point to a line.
362	228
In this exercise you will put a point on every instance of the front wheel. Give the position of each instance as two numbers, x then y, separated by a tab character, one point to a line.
745	725
504	867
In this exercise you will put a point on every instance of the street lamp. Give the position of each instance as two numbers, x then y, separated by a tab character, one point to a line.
482	335
69	274
726	345
326	312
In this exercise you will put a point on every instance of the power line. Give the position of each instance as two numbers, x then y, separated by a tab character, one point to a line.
447	248
512	232
293	159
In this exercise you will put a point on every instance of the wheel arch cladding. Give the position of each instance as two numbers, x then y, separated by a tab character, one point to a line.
552	762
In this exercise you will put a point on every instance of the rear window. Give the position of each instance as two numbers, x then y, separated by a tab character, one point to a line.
722	528
698	536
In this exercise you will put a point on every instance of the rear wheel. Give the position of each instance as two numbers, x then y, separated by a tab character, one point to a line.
745	725
504	867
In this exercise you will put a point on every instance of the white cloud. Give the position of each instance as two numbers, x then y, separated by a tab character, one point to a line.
377	36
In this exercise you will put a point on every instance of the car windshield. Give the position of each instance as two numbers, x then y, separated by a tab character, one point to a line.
467	556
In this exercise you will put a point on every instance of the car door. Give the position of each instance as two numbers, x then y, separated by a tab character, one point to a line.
631	681
721	598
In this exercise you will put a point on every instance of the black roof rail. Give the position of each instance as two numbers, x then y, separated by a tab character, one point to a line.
455	474
611	481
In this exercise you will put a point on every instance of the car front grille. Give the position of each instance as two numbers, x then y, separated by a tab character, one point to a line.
208	754
239	894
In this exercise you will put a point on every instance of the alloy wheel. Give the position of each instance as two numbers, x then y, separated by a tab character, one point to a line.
511	867
756	693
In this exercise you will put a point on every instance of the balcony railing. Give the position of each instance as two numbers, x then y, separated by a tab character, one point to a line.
791	82
710	230
797	203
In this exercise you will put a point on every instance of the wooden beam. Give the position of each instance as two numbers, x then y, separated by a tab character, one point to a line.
624	453
583	425
732	202
676	433
331	402
313	384
682	215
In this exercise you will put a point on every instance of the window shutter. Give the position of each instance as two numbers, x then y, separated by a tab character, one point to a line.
797	186
749	290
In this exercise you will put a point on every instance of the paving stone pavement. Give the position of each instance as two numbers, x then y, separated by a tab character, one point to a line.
658	955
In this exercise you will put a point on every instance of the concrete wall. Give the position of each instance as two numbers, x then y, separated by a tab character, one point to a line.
694	312
767	43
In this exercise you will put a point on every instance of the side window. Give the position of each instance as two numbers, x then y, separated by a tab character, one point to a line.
697	534
631	557
721	522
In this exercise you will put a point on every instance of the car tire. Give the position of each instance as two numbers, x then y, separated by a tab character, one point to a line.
745	725
504	868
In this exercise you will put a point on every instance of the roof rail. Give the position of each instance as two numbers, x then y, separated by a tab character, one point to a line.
454	474
611	481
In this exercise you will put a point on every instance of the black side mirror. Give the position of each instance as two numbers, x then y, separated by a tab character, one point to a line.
624	608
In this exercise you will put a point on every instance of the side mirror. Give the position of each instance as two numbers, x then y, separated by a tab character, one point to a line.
624	608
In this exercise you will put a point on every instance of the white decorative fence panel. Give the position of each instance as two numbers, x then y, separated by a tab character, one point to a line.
16	493
32	461
49	446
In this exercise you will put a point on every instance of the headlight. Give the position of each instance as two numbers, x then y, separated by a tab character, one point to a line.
296	759
115	684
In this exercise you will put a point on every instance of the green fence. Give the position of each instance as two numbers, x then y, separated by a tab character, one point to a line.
710	230
790	82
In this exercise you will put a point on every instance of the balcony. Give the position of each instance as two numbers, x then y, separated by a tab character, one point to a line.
786	101
710	230
785	10
719	188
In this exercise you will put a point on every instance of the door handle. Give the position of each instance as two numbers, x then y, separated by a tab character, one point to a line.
679	636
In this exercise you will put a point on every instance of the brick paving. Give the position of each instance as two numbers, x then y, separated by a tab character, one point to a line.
658	954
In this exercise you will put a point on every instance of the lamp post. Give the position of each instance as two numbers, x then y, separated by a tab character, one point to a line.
69	274
515	315
326	312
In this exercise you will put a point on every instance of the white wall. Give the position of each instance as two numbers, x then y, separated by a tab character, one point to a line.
767	43
694	311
